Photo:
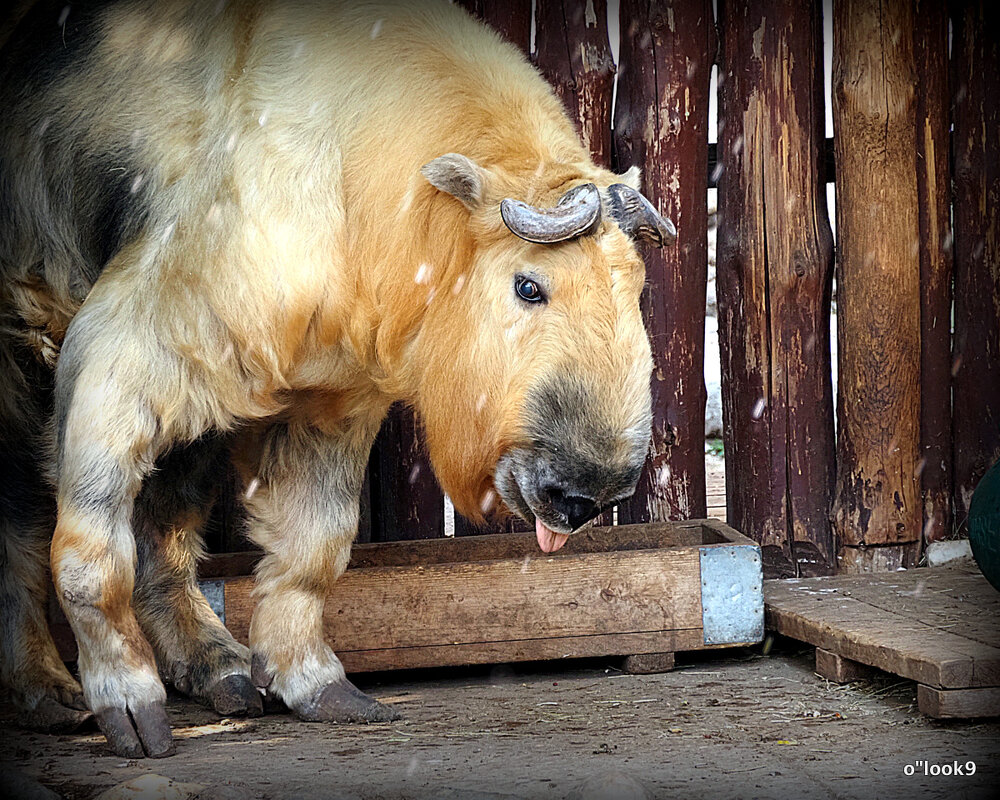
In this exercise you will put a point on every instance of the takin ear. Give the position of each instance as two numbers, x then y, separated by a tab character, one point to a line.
459	176
632	177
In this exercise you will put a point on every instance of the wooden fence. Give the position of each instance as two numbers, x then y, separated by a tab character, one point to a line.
917	264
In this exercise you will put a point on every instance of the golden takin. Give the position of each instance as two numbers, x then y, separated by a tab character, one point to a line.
241	230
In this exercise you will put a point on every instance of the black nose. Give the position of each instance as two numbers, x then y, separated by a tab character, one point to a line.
576	508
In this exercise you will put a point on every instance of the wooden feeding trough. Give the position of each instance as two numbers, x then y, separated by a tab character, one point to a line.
630	590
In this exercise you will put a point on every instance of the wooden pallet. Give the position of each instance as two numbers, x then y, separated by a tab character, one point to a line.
938	627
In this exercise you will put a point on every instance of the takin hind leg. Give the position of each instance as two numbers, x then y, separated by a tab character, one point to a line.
194	650
37	681
39	685
305	516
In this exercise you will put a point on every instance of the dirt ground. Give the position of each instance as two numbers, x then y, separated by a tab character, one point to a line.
732	723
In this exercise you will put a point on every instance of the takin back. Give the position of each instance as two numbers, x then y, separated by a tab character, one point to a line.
241	231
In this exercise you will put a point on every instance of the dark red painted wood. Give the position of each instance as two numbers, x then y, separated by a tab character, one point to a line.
773	283
976	357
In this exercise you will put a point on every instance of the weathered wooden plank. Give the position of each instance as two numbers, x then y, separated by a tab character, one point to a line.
498	607
878	282
661	125
574	54
976	366
648	663
934	205
855	620
958	703
510	18
641	591
965	605
628	590
538	649
774	277
902	650
693	533
838	669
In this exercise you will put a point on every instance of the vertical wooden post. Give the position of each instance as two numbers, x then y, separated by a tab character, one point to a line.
573	52
877	511
510	18
976	364
661	125
406	502
775	266
934	206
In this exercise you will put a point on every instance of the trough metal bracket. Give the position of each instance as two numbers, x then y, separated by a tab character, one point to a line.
215	593
732	594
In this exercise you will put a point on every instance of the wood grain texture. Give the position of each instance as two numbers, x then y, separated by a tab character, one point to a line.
693	533
648	663
838	669
661	125
958	703
489	604
774	278
934	207
574	54
935	626
878	279
976	358
510	18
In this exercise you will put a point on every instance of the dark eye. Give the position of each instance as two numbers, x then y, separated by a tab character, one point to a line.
528	290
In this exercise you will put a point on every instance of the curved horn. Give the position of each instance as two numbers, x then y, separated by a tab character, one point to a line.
578	212
636	216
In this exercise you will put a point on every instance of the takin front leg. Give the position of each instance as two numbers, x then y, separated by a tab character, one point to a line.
305	516
107	438
193	649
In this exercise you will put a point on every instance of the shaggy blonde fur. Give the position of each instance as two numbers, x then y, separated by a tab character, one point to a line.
294	274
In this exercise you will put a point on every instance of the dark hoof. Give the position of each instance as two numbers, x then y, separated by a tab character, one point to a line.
51	716
236	696
344	702
138	732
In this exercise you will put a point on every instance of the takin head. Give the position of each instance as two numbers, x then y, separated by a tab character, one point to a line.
534	382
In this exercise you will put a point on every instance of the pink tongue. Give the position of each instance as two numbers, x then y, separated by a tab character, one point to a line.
548	539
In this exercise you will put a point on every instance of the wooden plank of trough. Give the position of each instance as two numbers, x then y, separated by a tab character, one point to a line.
819	611
537	649
647	536
643	591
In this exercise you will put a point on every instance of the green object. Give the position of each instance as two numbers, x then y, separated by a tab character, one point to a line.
984	525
